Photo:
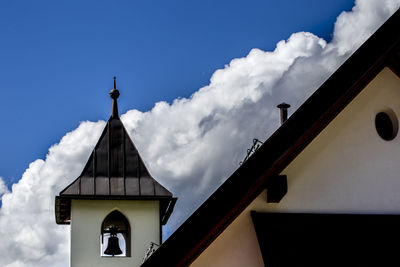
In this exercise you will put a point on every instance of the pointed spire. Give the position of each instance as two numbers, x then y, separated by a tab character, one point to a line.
114	93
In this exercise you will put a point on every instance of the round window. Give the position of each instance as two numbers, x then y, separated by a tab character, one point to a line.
386	125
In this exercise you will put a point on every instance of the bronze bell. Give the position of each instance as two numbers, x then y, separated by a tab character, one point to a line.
113	246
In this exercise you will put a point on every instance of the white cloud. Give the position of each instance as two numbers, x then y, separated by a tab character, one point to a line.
3	187
27	221
191	145
353	28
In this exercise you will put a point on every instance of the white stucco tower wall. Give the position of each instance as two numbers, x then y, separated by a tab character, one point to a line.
87	217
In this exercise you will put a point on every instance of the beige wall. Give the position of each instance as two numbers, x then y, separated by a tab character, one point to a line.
87	217
348	168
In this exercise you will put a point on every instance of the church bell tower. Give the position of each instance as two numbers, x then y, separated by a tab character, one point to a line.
115	207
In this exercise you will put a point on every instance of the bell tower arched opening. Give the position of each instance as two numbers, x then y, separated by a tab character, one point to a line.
115	236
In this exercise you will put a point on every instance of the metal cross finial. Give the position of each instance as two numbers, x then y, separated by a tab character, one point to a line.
114	93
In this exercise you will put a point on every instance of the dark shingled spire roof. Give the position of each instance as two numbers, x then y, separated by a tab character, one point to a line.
114	170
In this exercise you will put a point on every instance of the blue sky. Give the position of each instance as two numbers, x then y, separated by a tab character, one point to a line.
57	58
205	78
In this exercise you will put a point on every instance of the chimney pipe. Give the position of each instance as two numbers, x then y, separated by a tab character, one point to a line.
284	114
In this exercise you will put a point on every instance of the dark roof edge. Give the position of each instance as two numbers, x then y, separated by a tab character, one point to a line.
231	198
168	210
115	197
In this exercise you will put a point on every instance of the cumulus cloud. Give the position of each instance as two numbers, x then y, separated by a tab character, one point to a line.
190	146
27	223
3	187
353	28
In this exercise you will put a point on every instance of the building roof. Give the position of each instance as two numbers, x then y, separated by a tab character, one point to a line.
381	50
114	170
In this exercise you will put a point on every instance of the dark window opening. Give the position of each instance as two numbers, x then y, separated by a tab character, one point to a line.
308	240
